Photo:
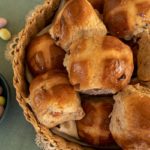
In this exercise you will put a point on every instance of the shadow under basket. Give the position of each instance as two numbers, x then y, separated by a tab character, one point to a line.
38	19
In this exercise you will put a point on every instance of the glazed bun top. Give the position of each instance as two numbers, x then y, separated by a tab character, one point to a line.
130	121
43	55
127	18
53	99
99	63
94	127
76	19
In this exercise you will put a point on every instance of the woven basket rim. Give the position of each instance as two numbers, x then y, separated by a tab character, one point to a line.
43	13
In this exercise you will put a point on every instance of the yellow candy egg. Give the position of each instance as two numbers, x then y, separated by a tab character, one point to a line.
5	34
2	100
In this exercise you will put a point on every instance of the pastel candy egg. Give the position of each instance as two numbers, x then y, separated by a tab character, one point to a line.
2	100
3	22
5	34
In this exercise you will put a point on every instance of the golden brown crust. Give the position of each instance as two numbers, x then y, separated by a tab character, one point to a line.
94	127
94	63
77	18
97	4
133	44
53	99
43	55
130	122
126	18
112	75
144	58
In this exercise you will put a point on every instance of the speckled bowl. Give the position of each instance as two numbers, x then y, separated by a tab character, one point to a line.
6	94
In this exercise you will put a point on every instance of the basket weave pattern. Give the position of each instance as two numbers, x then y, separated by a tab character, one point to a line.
35	22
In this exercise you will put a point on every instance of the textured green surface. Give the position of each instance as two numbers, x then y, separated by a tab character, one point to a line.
15	132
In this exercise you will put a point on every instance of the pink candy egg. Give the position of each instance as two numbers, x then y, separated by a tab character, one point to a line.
3	22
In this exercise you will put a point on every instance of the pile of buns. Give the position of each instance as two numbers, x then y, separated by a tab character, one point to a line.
89	80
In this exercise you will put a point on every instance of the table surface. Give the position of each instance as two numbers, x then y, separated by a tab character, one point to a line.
15	132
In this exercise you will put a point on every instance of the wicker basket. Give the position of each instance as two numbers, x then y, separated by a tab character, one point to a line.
40	17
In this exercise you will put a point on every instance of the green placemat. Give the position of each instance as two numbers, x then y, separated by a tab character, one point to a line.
15	132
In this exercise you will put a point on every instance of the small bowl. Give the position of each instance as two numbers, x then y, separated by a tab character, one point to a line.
6	94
